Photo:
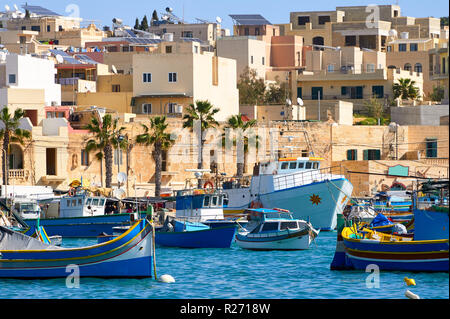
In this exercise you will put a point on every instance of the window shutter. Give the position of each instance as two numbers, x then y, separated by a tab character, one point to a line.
366	155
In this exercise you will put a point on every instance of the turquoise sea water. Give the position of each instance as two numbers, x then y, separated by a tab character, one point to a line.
238	274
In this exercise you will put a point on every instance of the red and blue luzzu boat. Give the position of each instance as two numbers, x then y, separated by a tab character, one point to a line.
364	247
128	256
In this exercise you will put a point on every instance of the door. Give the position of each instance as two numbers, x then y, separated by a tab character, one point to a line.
315	91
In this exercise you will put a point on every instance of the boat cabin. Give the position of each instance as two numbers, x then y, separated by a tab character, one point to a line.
200	205
290	165
82	205
27	209
271	220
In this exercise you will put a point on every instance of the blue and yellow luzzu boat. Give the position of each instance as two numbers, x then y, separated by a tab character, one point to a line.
367	247
127	256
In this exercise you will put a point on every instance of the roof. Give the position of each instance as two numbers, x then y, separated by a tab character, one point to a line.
249	19
40	11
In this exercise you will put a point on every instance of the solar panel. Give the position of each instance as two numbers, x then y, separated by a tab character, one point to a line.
60	52
130	33
249	19
40	10
86	59
71	60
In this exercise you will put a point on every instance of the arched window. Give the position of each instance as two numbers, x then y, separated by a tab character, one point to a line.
418	68
318	41
15	157
407	67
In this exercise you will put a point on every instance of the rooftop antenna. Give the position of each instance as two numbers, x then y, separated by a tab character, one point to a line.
7	8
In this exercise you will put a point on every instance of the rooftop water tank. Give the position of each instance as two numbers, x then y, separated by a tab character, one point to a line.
404	35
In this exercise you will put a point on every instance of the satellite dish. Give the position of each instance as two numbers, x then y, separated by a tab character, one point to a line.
169	9
16	7
113	68
393	33
288	102
59	58
164	17
121	177
7	8
300	102
119	193
219	20
2	56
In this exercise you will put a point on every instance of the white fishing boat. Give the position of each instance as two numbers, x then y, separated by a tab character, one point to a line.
275	229
299	185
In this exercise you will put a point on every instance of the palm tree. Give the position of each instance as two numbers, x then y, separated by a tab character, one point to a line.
236	123
11	132
203	112
106	138
406	89
156	136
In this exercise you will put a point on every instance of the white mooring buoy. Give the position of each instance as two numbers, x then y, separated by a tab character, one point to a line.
167	279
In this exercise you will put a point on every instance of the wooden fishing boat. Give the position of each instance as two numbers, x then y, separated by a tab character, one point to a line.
365	247
275	229
129	255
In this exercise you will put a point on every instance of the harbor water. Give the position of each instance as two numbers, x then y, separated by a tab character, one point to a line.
238	274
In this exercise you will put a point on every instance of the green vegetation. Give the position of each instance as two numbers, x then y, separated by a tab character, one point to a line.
11	133
438	94
405	89
156	135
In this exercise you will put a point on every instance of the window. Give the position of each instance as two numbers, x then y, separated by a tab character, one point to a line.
169	49
378	91
147	108
413	47
372	155
48	28
118	158
147	78
350	40
402	47
370	68
352	155
308	165
324	19
172	77
288	225
315	165
84	158
389	48
12	78
195	49
187	34
263	61
431	147
95	201
293	165
316	93
330	68
270	227
172	108
407	67
284	165
36	28
116	88
256	31
206	201
303	20
418	68
251	59
301	165
214	201
164	161
246	31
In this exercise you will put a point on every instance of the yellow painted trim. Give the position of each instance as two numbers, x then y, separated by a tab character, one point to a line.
396	253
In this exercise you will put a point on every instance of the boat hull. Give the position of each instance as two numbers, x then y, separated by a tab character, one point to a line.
299	240
318	202
427	255
128	256
211	238
81	227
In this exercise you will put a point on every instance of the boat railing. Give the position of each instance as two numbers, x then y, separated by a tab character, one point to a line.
301	178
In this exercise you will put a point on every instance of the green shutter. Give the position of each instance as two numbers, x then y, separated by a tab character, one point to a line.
343	90
377	155
366	155
300	92
359	92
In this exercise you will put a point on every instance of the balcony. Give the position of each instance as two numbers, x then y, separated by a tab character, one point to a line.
17	174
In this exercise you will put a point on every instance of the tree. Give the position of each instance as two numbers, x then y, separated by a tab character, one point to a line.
204	112
11	132
236	123
438	94
107	137
156	136
405	89
144	24
374	108
277	93
444	21
137	26
251	88
155	16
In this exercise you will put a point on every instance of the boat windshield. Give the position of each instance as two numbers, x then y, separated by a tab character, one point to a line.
269	227
288	225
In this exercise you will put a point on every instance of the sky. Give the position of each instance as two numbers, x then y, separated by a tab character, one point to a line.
102	12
